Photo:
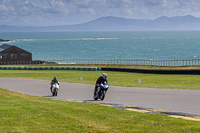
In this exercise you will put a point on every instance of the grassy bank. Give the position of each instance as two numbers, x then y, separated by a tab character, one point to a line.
23	113
115	78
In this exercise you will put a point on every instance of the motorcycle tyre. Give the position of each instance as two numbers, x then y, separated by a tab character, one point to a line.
95	97
102	96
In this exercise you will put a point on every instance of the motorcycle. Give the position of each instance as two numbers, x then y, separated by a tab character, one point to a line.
101	91
55	88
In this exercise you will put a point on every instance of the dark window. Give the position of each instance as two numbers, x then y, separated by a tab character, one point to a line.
3	56
13	56
24	56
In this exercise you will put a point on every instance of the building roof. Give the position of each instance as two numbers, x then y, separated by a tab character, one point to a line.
7	46
4	47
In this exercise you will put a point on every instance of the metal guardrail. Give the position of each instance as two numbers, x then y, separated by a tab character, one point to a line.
191	62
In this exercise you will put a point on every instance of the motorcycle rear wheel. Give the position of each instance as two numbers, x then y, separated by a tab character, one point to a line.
95	97
102	96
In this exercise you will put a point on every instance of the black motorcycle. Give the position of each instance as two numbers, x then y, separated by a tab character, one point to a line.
101	91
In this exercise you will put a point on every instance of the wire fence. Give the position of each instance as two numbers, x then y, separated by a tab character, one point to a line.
191	62
132	62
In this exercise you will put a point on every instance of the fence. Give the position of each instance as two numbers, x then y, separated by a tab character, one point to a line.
191	62
131	62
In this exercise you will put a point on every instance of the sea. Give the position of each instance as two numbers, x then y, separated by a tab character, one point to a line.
151	45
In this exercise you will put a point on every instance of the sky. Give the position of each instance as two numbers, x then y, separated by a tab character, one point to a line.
68	12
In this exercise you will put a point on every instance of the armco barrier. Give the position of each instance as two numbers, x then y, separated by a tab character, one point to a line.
155	71
52	68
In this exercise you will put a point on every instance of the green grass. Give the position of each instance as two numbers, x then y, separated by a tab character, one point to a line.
126	79
22	113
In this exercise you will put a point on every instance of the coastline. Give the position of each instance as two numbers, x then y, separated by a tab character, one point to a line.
2	40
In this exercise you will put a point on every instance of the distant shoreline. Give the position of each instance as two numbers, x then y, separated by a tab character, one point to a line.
2	40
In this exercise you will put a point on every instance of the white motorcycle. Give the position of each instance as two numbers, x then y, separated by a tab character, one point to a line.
55	89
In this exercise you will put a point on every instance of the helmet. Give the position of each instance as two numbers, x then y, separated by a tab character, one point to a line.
55	77
104	75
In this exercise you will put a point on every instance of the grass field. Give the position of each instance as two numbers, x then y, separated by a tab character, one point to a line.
127	79
22	113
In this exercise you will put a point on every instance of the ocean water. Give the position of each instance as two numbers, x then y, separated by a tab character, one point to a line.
108	45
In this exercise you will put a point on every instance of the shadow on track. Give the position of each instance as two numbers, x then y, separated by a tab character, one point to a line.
49	96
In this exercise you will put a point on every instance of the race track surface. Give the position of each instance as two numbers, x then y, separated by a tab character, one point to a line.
185	101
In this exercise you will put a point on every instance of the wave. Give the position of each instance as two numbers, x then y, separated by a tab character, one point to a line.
27	40
89	39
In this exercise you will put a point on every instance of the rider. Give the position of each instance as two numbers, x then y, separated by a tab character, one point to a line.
54	80
100	80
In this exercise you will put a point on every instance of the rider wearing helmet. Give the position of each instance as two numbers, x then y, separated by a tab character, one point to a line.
100	80
54	80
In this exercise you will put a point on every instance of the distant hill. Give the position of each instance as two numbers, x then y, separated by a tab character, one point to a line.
111	23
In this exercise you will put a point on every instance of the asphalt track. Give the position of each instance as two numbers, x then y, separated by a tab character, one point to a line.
185	101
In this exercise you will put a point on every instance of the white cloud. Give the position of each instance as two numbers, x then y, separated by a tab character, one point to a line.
92	11
3	9
69	11
128	11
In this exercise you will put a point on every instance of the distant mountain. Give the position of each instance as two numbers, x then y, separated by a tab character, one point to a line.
111	23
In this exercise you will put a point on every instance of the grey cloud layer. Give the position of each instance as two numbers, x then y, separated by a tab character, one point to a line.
69	11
